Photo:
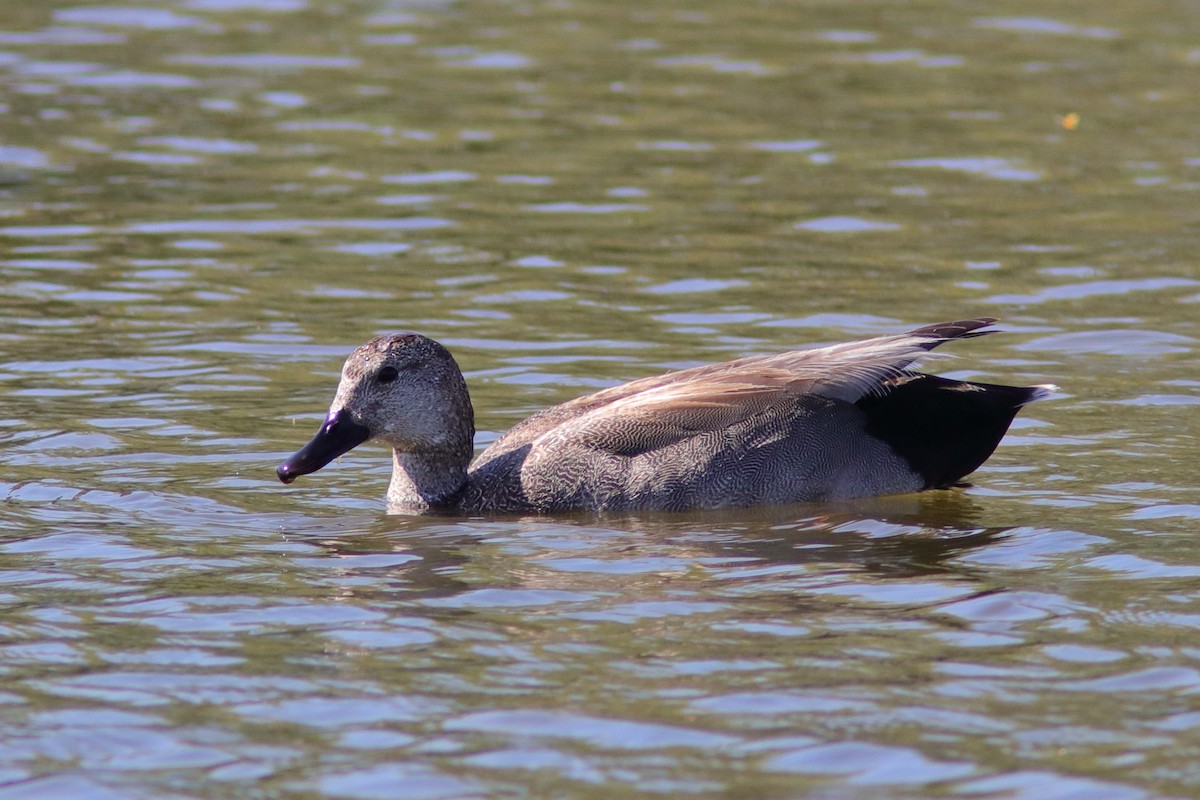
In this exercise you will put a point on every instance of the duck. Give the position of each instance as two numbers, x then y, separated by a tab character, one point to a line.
827	423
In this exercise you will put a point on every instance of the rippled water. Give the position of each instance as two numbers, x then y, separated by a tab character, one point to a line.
205	204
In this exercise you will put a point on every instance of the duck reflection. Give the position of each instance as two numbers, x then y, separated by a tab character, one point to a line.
886	537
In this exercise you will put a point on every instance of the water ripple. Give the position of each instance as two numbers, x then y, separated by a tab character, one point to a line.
61	35
1077	291
128	17
846	225
999	168
28	157
1044	25
380	782
586	208
719	64
614	734
268	61
869	764
1116	342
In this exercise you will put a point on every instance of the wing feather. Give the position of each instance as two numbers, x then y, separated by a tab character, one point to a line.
658	411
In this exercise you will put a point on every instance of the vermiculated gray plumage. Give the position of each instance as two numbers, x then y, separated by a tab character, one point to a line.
847	420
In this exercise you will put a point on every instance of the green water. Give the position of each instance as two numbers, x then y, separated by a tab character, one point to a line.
205	204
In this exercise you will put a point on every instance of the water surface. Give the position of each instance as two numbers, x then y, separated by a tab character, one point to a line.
205	204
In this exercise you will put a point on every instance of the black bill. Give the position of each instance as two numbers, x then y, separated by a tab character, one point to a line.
338	434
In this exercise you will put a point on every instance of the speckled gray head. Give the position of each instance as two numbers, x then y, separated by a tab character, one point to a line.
403	389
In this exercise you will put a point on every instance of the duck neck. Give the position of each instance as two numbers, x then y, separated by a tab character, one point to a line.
425	482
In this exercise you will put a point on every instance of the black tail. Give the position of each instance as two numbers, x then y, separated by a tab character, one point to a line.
944	428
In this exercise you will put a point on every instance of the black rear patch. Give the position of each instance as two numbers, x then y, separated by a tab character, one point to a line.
943	428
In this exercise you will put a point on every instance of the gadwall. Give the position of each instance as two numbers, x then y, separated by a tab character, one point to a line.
847	420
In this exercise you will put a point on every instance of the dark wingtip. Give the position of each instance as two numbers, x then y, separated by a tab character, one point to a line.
958	329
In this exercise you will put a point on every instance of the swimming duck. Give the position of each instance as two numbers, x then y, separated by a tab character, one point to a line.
842	421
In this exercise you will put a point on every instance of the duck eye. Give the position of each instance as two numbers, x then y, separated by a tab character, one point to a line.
387	375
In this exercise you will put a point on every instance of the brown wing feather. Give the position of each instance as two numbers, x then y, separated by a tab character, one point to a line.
657	411
660	418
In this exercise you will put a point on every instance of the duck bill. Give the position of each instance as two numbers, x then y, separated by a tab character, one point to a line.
338	434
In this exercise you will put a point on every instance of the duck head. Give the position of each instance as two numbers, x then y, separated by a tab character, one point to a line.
404	390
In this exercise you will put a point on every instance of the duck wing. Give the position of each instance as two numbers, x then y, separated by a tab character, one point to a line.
656	412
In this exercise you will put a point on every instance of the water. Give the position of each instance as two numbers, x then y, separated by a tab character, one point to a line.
204	205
